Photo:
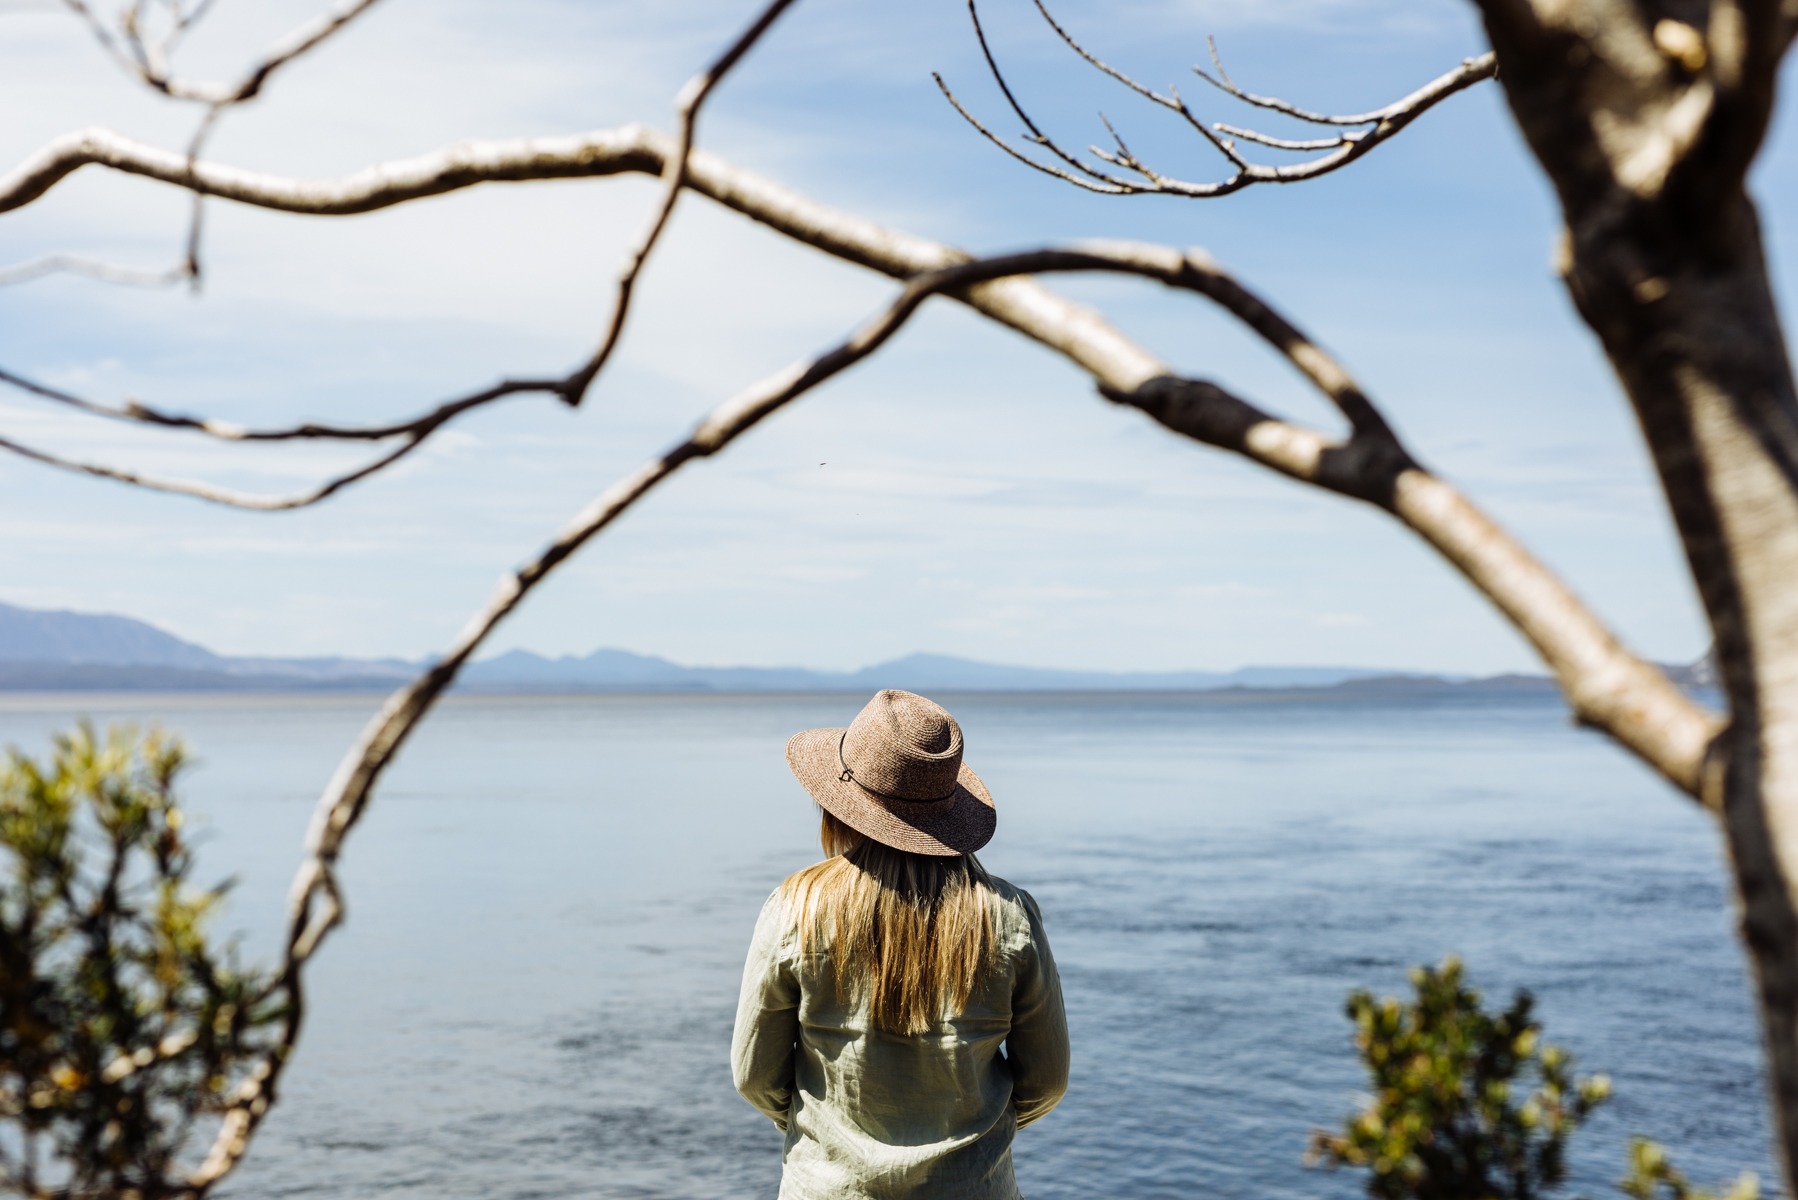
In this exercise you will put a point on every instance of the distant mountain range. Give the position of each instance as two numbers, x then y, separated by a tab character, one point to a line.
69	651
58	650
520	670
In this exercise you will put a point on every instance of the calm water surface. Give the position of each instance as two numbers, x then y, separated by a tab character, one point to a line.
550	899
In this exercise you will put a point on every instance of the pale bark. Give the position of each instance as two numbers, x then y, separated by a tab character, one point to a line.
1646	124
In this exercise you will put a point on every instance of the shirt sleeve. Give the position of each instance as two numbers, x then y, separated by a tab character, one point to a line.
1037	1047
762	1045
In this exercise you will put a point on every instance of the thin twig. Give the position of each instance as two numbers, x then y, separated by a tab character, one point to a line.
1469	72
147	61
1097	181
1337	151
105	272
1037	136
208	492
300	41
423	424
691	99
415	431
1171	101
103	35
191	263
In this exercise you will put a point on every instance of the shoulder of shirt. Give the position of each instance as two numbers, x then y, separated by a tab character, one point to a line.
1008	890
1016	898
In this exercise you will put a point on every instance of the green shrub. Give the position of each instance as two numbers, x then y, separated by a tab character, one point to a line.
121	1026
1454	1115
1468	1105
1651	1172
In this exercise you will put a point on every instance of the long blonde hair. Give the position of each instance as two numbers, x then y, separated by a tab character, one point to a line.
917	930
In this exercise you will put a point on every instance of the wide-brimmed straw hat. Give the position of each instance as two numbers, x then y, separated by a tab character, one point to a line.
896	775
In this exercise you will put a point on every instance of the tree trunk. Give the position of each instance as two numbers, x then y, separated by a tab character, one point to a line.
1710	381
1646	127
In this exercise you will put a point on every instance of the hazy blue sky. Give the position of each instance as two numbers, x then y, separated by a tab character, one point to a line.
978	498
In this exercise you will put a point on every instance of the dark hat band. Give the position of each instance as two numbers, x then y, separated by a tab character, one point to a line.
848	776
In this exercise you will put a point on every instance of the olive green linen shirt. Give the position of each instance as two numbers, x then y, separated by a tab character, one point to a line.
877	1116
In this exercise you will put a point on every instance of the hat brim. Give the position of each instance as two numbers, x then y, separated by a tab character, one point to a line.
961	826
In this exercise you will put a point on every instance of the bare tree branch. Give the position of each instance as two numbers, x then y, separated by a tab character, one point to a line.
109	42
1344	147
1608	687
570	389
187	267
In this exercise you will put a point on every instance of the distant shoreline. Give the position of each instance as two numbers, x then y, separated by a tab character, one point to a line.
1521	686
69	678
70	653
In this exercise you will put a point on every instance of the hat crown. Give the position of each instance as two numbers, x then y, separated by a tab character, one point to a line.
904	746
